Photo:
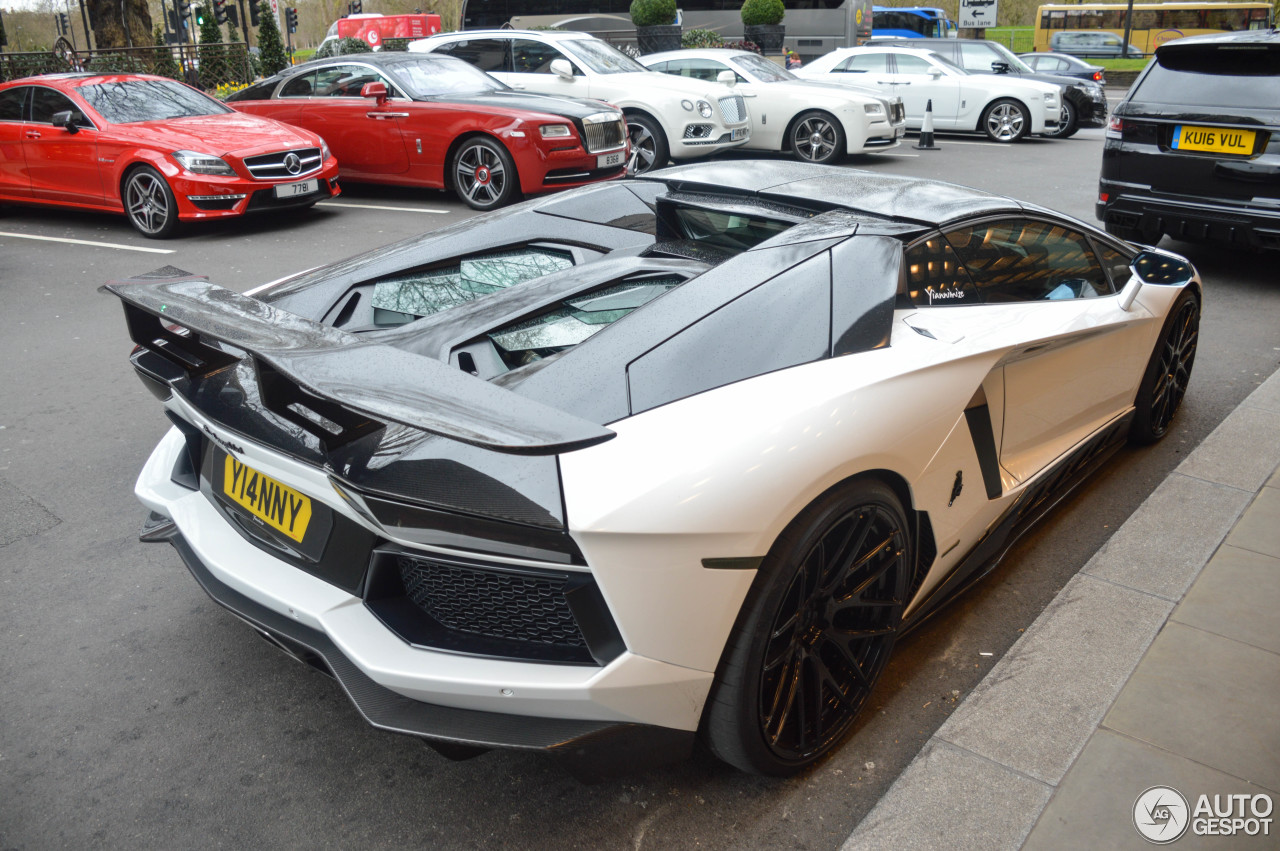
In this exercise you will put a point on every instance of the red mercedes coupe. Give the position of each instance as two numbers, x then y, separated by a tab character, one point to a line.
153	148
421	119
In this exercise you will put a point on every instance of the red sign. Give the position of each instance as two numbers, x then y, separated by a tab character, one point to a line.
375	30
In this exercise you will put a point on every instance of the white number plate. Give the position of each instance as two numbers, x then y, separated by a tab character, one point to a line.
740	133
606	160
290	190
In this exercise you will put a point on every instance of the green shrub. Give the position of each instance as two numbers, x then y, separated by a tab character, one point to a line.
693	39
341	47
653	13
116	63
396	45
763	13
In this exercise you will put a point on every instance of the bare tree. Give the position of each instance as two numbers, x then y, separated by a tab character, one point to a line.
120	23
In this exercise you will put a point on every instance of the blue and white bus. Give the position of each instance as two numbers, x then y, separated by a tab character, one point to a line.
911	22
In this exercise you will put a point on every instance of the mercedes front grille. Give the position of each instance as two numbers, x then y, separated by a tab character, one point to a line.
284	164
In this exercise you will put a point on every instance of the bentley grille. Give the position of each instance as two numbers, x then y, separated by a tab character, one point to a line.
733	108
284	164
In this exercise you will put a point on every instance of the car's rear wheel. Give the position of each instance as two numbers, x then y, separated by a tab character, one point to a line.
814	634
1168	372
817	137
483	174
1068	121
649	149
1005	120
149	203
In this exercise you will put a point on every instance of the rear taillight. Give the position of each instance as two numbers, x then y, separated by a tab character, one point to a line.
1102	197
1115	128
1097	76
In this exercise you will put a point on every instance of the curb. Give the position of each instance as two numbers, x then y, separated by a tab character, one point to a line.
984	778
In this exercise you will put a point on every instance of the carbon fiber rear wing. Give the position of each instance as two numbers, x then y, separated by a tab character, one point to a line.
332	383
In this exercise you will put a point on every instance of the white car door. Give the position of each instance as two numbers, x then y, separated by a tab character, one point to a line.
913	82
531	70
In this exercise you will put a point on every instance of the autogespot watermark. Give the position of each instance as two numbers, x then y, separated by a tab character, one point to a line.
1162	815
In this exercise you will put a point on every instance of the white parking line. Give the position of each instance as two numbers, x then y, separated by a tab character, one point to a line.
380	207
115	245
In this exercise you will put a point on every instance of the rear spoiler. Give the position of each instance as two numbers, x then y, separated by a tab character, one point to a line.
334	384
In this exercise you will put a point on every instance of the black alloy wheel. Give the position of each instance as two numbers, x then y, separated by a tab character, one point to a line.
1068	121
648	144
483	174
149	203
816	137
1168	372
815	634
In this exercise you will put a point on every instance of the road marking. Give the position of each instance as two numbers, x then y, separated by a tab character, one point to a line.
380	207
892	154
115	245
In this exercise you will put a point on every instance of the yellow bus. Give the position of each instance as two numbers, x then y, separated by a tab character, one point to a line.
1081	29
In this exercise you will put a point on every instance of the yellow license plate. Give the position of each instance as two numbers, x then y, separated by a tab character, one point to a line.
1218	140
279	506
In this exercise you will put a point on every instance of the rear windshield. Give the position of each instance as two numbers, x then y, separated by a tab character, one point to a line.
732	232
1226	76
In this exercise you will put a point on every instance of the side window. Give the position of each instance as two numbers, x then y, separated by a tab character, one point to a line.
301	86
977	58
487	54
864	63
344	81
908	64
11	102
533	57
1017	260
936	277
45	103
1116	264
697	69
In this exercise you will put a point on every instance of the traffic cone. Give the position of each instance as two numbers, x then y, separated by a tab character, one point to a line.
926	131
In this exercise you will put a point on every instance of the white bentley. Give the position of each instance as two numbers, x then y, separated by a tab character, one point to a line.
1003	107
817	122
667	118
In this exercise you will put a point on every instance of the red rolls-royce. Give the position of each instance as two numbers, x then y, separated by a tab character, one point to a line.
433	121
153	148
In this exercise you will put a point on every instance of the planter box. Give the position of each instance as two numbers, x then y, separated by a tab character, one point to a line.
769	37
658	39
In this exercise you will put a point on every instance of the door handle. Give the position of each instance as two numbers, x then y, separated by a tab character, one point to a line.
387	114
32	134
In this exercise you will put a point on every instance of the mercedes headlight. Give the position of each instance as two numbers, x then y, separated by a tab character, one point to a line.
198	163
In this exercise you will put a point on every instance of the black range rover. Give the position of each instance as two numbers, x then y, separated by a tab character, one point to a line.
1193	151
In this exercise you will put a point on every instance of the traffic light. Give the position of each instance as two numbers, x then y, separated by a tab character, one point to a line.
291	19
253	13
64	26
200	16
220	11
171	17
355	7
233	16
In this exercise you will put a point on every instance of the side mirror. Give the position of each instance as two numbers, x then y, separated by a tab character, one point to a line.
935	72
377	91
1157	267
562	69
1000	68
728	78
67	119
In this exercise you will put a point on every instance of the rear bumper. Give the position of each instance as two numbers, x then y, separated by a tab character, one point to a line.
1220	221
591	750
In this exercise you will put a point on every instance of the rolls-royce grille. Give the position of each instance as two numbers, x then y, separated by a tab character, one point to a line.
733	108
603	135
899	113
284	164
515	607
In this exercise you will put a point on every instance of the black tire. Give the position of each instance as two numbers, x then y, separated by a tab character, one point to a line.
1165	381
1068	122
649	148
483	175
816	137
1005	120
814	633
149	203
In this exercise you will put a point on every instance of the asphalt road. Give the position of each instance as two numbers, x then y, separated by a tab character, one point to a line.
136	712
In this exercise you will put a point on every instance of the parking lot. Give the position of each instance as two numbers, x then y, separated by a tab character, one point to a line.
136	711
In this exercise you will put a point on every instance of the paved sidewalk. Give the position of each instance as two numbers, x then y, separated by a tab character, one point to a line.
1157	665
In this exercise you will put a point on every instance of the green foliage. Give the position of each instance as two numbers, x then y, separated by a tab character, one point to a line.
269	42
762	13
692	39
653	13
396	45
162	62
213	61
116	63
342	47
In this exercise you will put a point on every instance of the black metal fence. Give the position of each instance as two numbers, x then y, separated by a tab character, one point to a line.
206	66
